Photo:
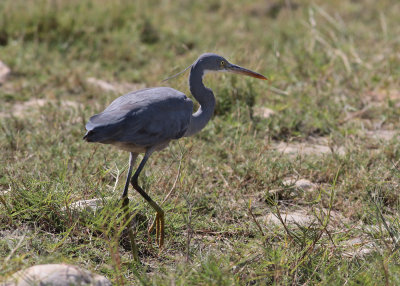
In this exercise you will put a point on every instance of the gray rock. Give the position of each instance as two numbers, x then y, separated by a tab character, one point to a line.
314	146
263	112
88	205
383	135
306	218
56	275
114	86
301	184
33	106
293	218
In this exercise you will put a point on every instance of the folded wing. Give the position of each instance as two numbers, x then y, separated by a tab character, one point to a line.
145	118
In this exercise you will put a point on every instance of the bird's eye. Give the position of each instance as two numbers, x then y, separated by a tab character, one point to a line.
222	63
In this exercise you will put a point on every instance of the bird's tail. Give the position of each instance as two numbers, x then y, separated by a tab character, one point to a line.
89	136
97	135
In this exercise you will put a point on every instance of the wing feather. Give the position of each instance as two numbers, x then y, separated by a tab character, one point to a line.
146	118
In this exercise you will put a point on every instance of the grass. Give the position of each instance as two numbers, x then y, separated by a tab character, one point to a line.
334	73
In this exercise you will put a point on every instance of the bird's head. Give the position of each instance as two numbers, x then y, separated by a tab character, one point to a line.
214	62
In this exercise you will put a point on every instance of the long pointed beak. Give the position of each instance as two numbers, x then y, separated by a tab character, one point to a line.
240	70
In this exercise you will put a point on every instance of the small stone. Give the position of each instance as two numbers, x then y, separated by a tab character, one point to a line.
292	189
114	87
263	112
293	218
356	247
4	192
353	242
4	72
307	148
106	86
302	148
305	185
56	275
96	205
384	135
26	108
89	205
308	218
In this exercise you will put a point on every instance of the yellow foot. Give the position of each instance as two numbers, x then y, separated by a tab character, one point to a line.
158	223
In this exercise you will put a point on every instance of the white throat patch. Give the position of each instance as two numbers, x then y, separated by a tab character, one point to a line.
208	71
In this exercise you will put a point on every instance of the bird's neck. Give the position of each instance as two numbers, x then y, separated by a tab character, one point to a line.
204	96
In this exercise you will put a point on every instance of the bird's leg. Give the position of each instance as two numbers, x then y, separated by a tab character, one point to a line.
159	220
125	207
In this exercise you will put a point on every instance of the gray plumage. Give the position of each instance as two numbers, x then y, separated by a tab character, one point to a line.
127	124
147	120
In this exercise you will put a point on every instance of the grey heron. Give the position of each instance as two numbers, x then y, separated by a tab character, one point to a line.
146	120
